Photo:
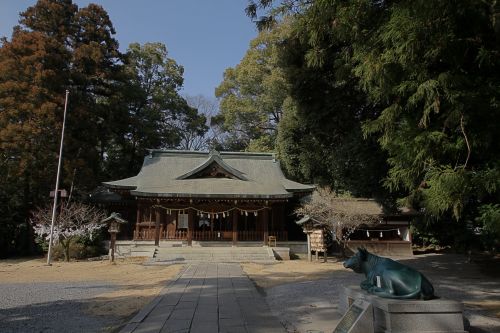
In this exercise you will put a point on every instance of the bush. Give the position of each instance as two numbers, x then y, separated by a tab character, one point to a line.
489	221
76	251
80	248
445	233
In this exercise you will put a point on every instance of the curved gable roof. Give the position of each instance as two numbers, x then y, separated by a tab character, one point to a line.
214	157
171	173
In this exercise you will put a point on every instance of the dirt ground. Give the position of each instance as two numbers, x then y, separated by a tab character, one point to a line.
290	271
285	272
476	283
137	284
303	293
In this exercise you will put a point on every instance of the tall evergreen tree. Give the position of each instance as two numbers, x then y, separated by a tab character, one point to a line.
157	116
55	47
252	94
119	105
429	73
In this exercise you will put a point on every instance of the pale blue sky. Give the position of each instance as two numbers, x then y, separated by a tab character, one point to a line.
205	36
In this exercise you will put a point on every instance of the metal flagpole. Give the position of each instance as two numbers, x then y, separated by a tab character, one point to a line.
57	181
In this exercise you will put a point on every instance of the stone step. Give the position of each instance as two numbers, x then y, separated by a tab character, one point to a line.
209	256
176	252
148	254
214	254
182	261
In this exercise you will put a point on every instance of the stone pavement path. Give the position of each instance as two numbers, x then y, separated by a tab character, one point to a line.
208	298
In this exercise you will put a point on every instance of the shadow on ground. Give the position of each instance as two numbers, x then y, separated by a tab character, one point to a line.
313	305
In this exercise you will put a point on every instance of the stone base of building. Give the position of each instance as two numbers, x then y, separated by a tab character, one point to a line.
408	316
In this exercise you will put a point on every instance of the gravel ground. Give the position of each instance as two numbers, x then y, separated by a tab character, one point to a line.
307	307
312	306
51	307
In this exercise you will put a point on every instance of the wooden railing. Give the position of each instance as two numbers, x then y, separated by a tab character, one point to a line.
145	234
150	234
212	235
173	235
255	236
259	235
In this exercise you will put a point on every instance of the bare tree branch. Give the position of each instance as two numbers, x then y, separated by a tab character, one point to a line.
339	215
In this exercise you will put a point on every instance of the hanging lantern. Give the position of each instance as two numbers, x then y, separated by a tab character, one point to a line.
246	213
208	215
255	213
381	235
399	232
223	214
367	234
216	216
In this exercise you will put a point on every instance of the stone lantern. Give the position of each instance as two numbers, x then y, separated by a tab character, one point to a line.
114	220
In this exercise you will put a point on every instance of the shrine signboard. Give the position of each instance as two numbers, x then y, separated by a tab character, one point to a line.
357	319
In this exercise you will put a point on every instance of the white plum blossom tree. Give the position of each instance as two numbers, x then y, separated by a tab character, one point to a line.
73	220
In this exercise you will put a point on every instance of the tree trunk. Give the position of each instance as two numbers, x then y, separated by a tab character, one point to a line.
342	248
65	245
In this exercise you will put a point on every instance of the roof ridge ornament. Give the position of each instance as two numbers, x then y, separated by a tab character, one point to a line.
214	152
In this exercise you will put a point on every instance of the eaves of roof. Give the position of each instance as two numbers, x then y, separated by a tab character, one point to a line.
212	196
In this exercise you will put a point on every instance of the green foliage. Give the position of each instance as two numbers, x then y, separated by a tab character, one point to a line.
157	117
79	248
436	99
419	78
489	219
76	251
119	105
321	139
309	107
446	190
56	47
438	234
252	94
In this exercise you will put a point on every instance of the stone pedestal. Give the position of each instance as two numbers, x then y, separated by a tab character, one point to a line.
408	316
281	253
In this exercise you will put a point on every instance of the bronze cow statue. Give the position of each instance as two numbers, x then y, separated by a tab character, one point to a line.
395	280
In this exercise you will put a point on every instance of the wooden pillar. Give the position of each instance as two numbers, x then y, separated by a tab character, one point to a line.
279	221
112	247
235	227
157	227
272	218
265	224
309	256
190	227
137	221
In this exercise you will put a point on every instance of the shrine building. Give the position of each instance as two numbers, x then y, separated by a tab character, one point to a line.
206	196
